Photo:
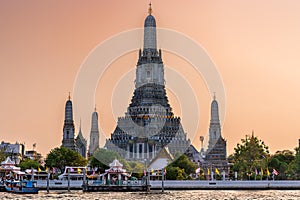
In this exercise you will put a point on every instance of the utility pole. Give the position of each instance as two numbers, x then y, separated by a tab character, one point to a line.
162	180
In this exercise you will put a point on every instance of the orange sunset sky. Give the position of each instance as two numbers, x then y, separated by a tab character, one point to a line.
254	44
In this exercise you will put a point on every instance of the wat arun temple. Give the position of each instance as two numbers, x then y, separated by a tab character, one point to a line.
149	130
149	123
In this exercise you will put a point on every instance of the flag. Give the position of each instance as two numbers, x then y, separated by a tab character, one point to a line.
268	173
256	171
79	171
152	171
165	171
71	169
261	172
217	171
198	170
208	171
39	169
47	169
275	172
53	170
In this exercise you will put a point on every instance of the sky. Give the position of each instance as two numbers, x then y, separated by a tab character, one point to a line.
254	45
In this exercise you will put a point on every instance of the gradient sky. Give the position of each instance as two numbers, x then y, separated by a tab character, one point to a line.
254	44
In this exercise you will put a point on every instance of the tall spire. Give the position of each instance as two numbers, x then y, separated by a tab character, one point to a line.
95	121
150	31
214	111
150	68
80	126
94	135
81	143
69	130
214	126
69	110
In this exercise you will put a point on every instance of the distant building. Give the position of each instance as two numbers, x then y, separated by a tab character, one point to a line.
81	143
162	159
216	154
193	154
94	135
33	155
14	151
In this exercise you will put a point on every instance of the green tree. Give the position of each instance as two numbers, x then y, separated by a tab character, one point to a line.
28	164
183	162
294	166
182	167
251	154
281	161
175	173
2	154
103	157
62	156
136	168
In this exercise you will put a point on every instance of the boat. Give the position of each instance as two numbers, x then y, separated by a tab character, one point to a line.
2	188
74	173
21	186
115	179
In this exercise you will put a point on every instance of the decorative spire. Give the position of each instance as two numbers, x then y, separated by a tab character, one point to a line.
69	109
80	125
150	31
95	109
214	95
150	9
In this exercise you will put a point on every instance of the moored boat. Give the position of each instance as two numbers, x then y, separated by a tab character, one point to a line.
21	187
2	188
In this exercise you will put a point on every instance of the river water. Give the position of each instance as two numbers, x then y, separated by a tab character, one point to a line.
191	194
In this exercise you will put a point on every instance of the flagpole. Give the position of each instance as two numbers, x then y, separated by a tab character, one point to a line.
211	173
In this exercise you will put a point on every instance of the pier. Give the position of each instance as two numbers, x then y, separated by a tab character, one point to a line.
188	185
225	185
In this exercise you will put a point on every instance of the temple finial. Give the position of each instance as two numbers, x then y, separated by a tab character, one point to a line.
69	96
150	9
214	95
95	109
80	124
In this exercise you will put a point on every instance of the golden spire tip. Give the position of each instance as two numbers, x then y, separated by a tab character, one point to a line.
150	9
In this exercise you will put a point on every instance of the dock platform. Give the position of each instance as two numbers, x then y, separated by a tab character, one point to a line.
225	185
114	188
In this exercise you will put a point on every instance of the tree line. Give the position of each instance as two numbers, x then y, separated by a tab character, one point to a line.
251	160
